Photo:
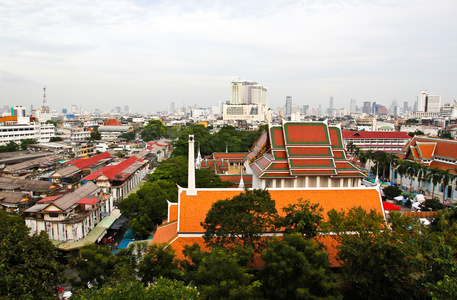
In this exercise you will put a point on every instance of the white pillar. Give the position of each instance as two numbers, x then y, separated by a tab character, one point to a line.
191	175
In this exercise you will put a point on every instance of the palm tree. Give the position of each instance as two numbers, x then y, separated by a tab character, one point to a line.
435	177
422	173
412	170
402	168
392	161
350	147
445	179
362	158
369	154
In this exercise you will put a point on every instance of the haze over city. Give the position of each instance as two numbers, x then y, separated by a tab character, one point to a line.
148	54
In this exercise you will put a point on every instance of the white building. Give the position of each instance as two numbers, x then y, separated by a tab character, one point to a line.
248	101
68	217
16	129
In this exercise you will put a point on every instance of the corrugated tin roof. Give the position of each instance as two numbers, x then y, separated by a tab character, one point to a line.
37	162
69	200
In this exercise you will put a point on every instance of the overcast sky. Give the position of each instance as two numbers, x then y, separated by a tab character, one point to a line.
147	54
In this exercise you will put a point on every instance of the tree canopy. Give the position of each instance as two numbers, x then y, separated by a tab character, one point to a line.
27	262
153	130
240	220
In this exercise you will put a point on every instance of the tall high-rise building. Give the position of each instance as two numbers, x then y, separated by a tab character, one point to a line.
330	109
171	109
405	107
288	106
248	101
366	107
429	103
126	108
306	111
248	92
353	106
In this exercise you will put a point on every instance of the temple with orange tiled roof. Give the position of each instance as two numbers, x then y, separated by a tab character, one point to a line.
183	224
432	152
301	155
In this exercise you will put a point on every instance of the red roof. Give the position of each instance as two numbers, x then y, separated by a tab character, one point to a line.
348	134
112	122
85	162
49	199
117	172
88	201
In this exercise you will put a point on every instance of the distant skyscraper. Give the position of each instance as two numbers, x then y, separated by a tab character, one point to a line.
171	109
306	109
64	110
288	106
405	107
353	106
126	108
330	110
366	107
374	108
429	103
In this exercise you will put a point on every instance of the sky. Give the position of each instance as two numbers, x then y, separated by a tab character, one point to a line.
147	54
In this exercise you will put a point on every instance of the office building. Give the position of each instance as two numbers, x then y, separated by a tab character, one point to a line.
288	106
248	101
366	107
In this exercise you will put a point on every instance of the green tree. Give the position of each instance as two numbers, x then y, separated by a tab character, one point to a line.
435	177
374	258
131	135
240	220
28	265
55	139
97	265
296	268
52	122
159	262
153	130
148	206
303	217
26	142
161	289
221	274
201	136
10	147
175	169
142	226
95	135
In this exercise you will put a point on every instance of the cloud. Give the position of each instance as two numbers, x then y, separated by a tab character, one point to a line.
107	52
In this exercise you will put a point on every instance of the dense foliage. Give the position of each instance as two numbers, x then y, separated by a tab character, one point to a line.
240	220
28	264
226	139
153	130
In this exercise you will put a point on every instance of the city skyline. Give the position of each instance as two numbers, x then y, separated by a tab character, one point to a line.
148	55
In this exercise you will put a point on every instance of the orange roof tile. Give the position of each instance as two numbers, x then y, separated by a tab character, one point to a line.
306	132
173	212
193	209
426	150
112	122
165	233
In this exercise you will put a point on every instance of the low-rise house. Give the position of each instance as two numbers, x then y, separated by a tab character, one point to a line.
71	217
41	164
36	189
15	202
119	178
71	175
